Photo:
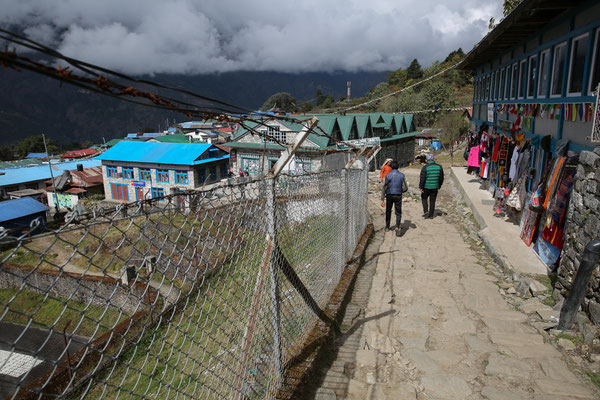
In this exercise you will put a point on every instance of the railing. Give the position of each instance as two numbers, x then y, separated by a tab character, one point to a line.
202	294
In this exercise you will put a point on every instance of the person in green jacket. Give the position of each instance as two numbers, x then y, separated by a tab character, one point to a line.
431	180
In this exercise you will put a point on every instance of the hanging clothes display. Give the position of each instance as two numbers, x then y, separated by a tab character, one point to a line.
516	198
553	180
556	217
473	161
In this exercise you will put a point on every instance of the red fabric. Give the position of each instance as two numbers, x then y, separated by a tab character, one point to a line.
496	150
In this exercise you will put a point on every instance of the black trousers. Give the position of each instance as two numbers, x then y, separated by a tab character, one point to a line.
396	201
430	194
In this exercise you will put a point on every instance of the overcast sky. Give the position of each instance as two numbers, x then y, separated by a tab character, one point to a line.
203	36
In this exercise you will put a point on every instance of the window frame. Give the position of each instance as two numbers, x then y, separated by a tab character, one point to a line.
514	90
487	87
507	75
112	171
144	174
522	78
558	46
595	54
501	85
182	177
161	174
127	172
545	55
155	190
570	66
531	77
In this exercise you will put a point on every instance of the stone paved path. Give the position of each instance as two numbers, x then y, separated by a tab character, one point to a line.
428	320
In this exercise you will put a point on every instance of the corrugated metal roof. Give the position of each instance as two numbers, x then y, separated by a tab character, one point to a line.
157	153
37	155
17	208
79	153
15	176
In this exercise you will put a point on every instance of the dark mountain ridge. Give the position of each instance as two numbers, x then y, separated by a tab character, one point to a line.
32	104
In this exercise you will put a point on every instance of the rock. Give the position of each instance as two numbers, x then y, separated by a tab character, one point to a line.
393	391
504	285
594	309
356	389
558	306
503	366
445	386
495	393
532	305
559	388
548	314
595	358
325	394
590	332
589	158
566	344
522	289
511	290
536	288
502	292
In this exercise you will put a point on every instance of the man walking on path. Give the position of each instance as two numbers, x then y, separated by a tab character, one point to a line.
394	184
431	180
385	169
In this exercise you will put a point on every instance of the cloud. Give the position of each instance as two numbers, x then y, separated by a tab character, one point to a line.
206	36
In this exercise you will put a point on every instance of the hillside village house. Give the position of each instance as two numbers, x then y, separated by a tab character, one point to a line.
536	79
537	72
253	150
33	178
72	186
135	171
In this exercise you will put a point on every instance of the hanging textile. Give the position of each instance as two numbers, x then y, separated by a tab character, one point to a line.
496	149
529	221
556	217
516	198
553	180
512	172
473	157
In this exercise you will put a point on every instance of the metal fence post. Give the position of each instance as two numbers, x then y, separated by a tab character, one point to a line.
275	299
345	216
589	261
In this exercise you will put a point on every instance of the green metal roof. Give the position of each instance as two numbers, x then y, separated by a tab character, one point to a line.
345	124
112	142
408	119
177	138
259	146
399	121
362	121
401	136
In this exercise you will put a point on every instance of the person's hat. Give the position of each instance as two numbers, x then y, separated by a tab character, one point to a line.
429	157
387	160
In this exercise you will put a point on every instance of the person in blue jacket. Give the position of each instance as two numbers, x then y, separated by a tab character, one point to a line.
394	184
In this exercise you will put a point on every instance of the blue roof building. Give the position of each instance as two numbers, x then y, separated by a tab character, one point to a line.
20	213
37	155
135	171
13	179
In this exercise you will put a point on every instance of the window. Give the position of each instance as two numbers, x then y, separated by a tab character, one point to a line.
201	175
223	170
513	84
127	173
181	177
493	86
522	78
577	64
487	88
111	171
507	83
145	174
501	85
303	166
532	73
162	175
274	133
212	173
252	165
157	192
558	69
543	78
119	192
595	71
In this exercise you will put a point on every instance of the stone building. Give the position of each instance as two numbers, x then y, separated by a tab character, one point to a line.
257	146
135	171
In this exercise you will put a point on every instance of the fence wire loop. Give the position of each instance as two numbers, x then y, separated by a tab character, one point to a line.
200	294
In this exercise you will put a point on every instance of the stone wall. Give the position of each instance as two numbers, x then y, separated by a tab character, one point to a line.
101	291
583	225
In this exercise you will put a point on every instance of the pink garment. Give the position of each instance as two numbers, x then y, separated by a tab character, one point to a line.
473	157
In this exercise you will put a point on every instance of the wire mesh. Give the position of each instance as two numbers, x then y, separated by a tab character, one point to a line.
595	137
202	294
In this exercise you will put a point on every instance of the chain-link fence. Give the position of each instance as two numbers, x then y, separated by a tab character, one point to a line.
204	294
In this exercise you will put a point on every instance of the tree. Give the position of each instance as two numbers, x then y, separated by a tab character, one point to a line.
397	78
437	94
7	153
306	107
509	6
414	70
281	100
35	144
453	126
